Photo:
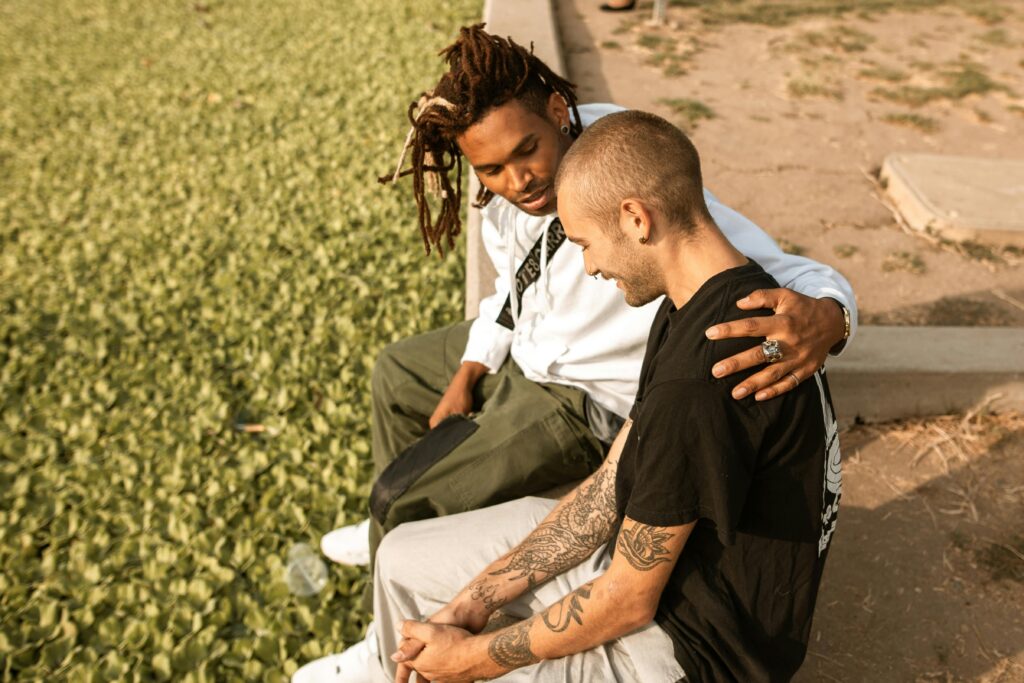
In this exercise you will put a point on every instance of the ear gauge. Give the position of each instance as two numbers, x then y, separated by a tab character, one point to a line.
564	130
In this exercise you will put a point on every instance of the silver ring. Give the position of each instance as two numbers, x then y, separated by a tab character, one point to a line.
770	349
795	379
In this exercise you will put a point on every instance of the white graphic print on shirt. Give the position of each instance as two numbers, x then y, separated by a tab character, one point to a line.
833	488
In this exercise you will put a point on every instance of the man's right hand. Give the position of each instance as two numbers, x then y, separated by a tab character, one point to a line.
458	397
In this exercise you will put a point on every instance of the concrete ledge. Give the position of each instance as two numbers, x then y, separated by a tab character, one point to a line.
897	372
959	198
525	21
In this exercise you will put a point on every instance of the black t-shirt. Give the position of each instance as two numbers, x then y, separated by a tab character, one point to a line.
760	478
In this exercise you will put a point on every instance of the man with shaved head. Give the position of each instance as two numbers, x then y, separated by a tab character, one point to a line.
696	550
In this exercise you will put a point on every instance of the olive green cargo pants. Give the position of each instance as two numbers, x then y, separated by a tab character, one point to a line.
531	437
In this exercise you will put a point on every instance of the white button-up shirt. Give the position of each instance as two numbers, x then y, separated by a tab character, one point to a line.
572	329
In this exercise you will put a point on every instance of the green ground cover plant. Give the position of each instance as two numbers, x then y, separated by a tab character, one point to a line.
192	240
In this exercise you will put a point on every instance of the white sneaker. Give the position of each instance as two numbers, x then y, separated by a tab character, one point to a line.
350	666
349	544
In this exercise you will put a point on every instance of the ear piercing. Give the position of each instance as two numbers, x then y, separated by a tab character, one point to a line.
564	130
643	240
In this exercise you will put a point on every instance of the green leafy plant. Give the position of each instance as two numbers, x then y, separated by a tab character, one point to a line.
197	271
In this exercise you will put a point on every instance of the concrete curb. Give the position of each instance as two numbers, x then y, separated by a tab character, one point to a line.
889	373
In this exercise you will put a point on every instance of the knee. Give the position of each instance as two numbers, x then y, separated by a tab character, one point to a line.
385	367
394	550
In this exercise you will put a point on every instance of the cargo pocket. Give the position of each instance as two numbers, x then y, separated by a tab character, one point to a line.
543	455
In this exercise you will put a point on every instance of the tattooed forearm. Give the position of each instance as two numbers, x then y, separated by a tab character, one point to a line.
578	530
569	610
511	647
484	592
643	546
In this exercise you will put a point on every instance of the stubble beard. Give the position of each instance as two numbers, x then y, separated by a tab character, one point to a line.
640	294
639	283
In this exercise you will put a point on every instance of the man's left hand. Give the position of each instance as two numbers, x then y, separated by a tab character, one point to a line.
440	658
805	328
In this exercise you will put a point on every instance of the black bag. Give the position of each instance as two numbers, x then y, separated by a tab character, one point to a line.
411	463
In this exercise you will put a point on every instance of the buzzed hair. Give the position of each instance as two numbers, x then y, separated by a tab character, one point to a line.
640	155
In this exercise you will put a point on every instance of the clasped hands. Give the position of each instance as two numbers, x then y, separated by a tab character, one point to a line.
435	649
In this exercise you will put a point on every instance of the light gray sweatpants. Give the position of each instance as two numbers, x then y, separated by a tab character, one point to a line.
422	565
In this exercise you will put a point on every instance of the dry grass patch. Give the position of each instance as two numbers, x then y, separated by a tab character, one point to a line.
845	250
689	112
925	124
790	247
997	37
843	38
904	261
961	80
884	73
952	440
785	12
800	88
669	53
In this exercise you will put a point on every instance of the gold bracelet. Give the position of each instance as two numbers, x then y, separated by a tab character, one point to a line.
838	346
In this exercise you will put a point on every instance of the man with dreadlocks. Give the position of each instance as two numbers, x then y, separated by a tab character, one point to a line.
550	368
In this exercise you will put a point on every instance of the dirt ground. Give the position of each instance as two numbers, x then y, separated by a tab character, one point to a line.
791	121
925	581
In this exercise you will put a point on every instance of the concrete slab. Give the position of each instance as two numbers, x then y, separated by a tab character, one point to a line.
959	198
897	372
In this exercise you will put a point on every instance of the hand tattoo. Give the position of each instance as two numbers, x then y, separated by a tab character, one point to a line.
643	546
511	647
570	609
563	542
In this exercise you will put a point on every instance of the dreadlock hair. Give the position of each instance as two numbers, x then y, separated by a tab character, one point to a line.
484	72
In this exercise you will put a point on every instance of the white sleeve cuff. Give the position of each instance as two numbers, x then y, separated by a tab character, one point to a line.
488	343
